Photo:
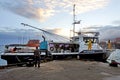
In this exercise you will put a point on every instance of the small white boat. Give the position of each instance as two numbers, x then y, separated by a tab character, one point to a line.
114	58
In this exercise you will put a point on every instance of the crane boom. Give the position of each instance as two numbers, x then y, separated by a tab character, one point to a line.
35	28
42	30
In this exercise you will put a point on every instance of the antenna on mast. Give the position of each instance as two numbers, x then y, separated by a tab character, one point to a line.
73	20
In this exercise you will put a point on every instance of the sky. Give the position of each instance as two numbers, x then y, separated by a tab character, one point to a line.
57	16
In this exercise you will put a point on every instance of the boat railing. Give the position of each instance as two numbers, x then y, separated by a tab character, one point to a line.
19	50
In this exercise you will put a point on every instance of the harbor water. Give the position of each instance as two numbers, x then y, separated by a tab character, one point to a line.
4	42
2	62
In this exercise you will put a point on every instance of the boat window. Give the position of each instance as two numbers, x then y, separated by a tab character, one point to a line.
93	39
76	39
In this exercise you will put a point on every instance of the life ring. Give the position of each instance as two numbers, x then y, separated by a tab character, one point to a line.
52	49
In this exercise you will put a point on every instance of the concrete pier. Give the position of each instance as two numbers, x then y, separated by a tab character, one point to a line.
62	70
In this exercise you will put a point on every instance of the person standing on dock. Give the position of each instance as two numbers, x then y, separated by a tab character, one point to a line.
37	57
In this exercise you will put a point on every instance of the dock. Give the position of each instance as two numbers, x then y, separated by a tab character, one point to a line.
63	70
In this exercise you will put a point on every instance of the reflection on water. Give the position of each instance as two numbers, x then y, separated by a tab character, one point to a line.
2	62
1	48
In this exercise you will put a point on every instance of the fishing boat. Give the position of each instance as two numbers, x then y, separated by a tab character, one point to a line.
23	54
82	46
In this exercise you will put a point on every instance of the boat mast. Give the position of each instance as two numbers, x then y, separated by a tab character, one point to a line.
73	20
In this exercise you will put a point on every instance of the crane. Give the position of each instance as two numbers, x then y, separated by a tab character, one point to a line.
44	31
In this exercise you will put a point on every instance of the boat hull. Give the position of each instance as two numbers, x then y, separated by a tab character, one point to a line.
18	59
97	55
24	58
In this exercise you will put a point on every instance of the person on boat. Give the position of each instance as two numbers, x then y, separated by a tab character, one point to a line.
90	44
37	57
109	45
14	49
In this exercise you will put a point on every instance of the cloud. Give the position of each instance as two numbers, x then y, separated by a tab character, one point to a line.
27	8
106	32
11	35
109	32
23	35
117	22
60	31
85	5
43	9
91	28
